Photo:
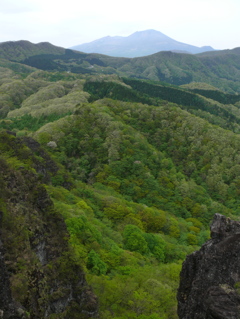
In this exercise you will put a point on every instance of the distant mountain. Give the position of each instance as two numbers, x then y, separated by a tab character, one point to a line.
138	44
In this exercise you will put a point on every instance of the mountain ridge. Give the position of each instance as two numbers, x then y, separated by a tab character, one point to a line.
18	50
217	68
140	43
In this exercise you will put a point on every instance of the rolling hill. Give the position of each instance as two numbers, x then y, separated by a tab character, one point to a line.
218	68
109	177
19	50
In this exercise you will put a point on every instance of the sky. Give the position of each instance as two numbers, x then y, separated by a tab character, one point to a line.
71	22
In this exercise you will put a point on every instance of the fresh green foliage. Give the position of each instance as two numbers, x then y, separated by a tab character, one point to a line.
95	264
28	122
116	91
220	69
136	169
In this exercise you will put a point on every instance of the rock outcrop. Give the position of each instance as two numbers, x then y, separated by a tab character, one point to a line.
39	276
210	278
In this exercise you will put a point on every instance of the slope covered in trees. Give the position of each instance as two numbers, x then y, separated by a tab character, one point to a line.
217	68
135	171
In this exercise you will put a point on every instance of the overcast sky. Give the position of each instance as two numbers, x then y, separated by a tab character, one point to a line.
72	22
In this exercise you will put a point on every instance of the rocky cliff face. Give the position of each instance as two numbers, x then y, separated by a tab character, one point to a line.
39	277
210	278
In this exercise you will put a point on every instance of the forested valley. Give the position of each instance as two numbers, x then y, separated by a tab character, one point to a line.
131	171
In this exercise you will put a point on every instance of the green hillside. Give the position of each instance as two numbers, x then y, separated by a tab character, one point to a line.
19	50
218	68
128	171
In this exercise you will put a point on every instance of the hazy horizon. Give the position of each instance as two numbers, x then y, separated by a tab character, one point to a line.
199	23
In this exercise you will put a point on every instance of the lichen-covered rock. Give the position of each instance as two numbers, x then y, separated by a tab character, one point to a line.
39	276
210	277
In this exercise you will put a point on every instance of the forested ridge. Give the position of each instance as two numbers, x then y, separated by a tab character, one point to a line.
135	170
217	68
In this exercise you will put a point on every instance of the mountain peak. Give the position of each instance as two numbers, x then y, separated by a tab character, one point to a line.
149	34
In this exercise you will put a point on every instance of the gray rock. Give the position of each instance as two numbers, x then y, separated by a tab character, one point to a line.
210	276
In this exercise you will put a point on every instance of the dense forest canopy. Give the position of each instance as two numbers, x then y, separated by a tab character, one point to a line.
136	168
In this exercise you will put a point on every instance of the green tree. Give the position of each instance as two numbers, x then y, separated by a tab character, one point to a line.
156	245
95	264
134	240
